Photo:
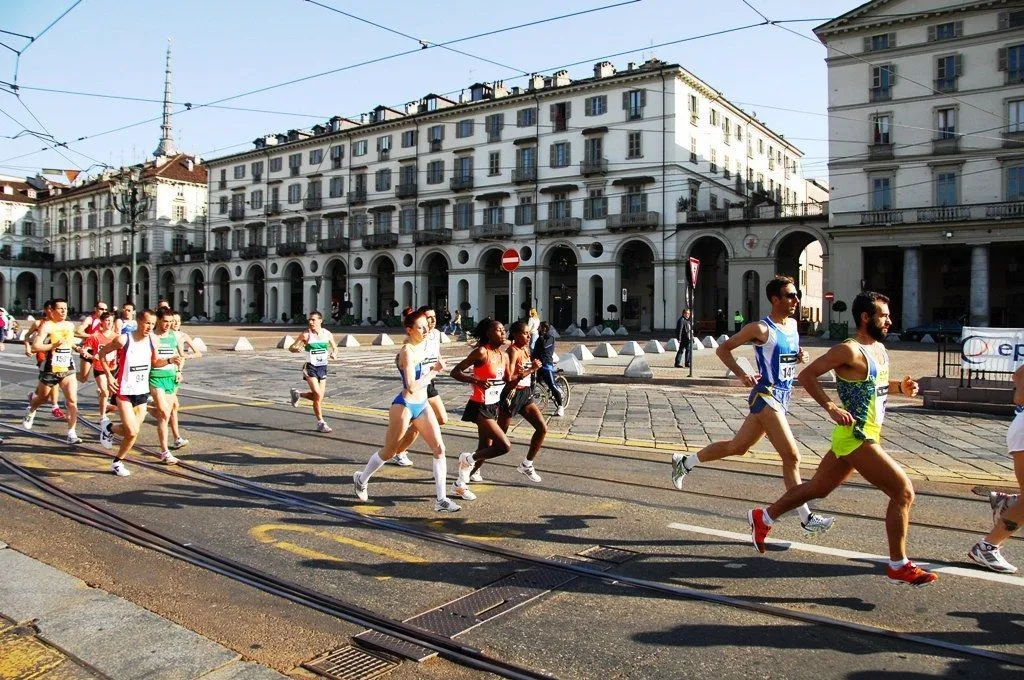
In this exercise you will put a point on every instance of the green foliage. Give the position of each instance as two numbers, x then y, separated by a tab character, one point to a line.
220	317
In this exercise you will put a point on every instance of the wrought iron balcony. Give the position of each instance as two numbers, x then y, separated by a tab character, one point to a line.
969	212
559	225
167	257
273	208
461	182
286	249
594	166
337	244
427	237
880	152
948	143
385	240
524	174
253	252
357	196
647	219
482	232
219	255
945	84
880	94
236	214
314	203
407	190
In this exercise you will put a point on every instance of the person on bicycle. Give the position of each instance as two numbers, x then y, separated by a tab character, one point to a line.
544	351
518	397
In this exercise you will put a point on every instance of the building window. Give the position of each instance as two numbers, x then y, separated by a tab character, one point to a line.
560	114
382	179
595	106
435	134
463	216
881	193
714	117
882	79
407	220
336	187
945	123
384	144
1011	60
435	172
463	170
634	102
526	211
313	227
275	164
255	200
316	156
560	206
382	222
883	41
1011	19
560	154
526	117
946	188
295	162
494	124
881	129
408	139
635	200
714	161
433	216
693	106
257	170
337	155
693	149
239	172
1015	116
359	148
1015	183
634	149
179	212
713	201
494	163
464	128
407	176
946	31
294	193
494	213
725	168
223	205
596	205
357	226
947	70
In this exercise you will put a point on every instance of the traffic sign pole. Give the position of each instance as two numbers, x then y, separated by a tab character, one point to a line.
510	262
694	269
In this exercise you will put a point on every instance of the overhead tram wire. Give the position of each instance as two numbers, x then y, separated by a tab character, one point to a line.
44	137
32	41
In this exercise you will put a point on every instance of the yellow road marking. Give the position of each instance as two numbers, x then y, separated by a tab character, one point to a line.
204	407
263	533
23	656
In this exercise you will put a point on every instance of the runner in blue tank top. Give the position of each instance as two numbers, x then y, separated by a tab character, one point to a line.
777	352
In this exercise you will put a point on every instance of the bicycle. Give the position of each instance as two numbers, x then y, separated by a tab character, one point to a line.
543	393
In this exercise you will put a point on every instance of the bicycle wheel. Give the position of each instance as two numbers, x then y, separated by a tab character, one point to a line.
563	386
542	396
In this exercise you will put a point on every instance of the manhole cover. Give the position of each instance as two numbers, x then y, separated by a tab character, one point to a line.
350	663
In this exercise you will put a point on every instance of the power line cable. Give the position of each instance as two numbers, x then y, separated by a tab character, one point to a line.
32	41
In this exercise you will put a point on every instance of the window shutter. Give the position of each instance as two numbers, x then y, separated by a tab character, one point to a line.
1002	59
931	34
588	106
587	212
568	110
643	97
442	131
867	43
551	114
892	74
891	40
625	101
568	153
1004	20
643	202
519	118
958	65
552	156
958	29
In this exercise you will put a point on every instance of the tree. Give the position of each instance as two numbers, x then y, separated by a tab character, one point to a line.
839	307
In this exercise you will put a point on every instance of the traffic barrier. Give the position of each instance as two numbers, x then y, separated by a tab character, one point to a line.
654	347
242	345
632	349
710	343
572	366
348	340
383	340
582	353
605	351
743	363
638	368
285	342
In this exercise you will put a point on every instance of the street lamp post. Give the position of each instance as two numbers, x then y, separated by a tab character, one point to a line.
131	199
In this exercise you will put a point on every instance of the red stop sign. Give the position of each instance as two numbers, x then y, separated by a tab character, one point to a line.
510	260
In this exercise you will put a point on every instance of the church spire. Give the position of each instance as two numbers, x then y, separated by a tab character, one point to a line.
166	146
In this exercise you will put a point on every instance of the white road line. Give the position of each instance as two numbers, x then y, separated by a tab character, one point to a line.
852	555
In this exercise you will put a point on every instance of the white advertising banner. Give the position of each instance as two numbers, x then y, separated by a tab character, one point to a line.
992	349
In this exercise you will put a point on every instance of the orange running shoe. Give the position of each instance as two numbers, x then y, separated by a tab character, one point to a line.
910	574
759	530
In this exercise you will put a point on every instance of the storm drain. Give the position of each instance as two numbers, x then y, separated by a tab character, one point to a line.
606	554
350	663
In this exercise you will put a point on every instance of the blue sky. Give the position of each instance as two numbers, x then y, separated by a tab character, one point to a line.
222	48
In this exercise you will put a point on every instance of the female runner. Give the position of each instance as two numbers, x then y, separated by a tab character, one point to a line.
518	396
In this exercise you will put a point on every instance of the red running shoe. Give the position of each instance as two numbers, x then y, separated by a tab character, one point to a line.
58	414
759	530
910	574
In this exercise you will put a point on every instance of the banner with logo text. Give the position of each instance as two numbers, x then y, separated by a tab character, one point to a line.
992	349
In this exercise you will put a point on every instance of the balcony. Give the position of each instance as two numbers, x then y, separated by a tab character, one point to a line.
167	257
947	144
273	208
357	196
880	94
525	174
314	203
219	255
559	225
256	179
289	249
970	212
461	182
633	221
429	237
386	240
945	85
293	171
593	166
484	232
880	152
337	244
253	252
407	190
435	144
236	214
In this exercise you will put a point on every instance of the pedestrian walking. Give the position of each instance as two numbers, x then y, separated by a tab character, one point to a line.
684	336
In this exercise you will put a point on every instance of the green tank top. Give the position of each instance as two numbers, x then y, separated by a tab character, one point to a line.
317	347
166	348
865	400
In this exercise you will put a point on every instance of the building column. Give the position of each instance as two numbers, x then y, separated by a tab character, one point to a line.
911	288
979	286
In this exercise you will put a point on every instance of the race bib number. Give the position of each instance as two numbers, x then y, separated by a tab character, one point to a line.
493	393
787	367
881	395
138	375
318	357
61	360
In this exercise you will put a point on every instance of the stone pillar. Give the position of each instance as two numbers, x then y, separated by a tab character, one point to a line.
979	286
911	288
583	305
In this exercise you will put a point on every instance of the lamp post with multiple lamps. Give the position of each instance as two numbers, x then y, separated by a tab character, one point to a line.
132	199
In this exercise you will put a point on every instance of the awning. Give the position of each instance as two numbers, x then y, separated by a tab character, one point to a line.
493	196
559	187
434	201
381	208
637	179
595	130
335	213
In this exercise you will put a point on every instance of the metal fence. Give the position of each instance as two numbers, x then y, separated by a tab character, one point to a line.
950	365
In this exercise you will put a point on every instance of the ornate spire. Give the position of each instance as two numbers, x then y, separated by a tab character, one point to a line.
166	146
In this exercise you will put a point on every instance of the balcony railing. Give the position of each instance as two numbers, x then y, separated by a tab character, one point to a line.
880	152
461	182
287	249
273	208
972	212
314	203
253	252
559	225
236	214
946	144
427	237
337	244
357	196
594	166
406	190
219	255
945	84
880	94
636	220
481	232
524	174
385	240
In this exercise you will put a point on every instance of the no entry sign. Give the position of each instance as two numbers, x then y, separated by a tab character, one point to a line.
510	260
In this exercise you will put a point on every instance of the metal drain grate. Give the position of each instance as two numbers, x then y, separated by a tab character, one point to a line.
606	554
393	645
350	663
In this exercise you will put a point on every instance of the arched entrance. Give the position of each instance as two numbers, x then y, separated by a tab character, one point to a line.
357	303
712	294
437	281
124	282
25	290
751	295
63	289
336	280
196	301
293	283
222	296
166	289
636	267
562	268
256	283
107	289
799	256
142	285
384	271
77	294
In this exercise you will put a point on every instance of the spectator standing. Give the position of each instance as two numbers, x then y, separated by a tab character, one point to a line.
684	335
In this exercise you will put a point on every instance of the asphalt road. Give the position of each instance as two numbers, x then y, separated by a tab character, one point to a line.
591	495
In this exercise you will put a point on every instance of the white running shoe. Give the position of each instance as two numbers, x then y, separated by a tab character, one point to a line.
361	489
119	469
462	492
528	471
476	477
295	397
179	443
106	434
816	524
991	559
73	437
167	458
679	470
560	411
29	418
466	464
401	459
323	427
446	505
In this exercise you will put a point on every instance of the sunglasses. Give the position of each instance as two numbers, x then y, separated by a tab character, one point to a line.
793	296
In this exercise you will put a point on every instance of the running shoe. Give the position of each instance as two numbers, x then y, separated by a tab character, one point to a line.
29	418
446	505
106	434
58	413
528	472
1001	501
73	437
909	574
295	397
323	427
560	411
179	442
466	464
119	469
759	529
816	524
362	491
476	477
400	459
167	458
463	492
679	470
991	558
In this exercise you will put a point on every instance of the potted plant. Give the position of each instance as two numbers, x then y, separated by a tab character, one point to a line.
838	330
467	321
613	310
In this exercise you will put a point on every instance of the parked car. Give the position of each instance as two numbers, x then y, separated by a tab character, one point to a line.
947	329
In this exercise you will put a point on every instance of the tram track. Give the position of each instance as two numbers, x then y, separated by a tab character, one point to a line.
188	471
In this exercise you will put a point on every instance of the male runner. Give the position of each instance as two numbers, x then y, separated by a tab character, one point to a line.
431	354
56	339
163	380
104	333
135	359
127	322
777	350
89	326
47	390
320	346
861	365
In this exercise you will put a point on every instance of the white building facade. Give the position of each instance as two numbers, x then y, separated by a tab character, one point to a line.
926	103
24	260
606	186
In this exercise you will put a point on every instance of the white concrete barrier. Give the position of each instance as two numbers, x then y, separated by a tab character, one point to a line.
348	340
621	331
605	351
672	345
593	332
582	353
554	334
710	343
242	345
576	333
199	345
632	349
285	342
383	340
571	327
696	346
572	366
638	368
722	338
366	323
928	339
654	347
744	363
608	332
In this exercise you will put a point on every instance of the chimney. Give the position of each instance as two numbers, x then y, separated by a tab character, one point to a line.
8	190
335	123
190	164
536	82
603	69
561	78
411	108
364	118
499	89
631	66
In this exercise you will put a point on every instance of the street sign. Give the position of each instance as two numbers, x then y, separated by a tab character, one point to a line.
694	268
625	294
510	260
830	296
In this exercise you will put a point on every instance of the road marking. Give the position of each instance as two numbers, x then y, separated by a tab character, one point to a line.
852	555
203	407
262	533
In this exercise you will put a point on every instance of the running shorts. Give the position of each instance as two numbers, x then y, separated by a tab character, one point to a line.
476	409
775	398
168	384
432	390
318	372
518	401
135	399
50	379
